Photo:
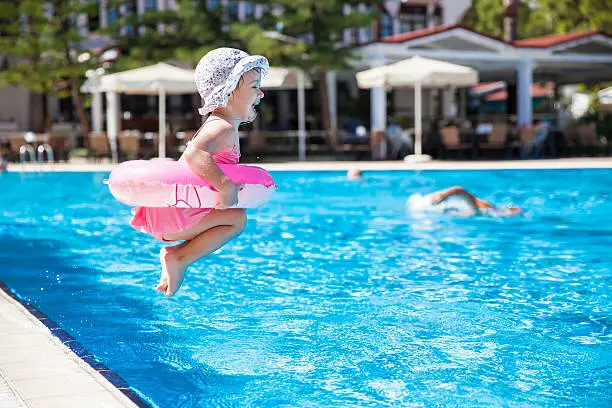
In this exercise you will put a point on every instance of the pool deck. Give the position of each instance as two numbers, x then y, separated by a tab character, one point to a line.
38	369
567	163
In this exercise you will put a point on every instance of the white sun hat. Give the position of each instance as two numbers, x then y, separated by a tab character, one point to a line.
218	73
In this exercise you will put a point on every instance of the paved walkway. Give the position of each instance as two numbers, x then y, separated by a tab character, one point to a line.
571	163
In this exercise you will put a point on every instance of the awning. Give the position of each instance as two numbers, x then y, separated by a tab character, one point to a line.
146	81
284	78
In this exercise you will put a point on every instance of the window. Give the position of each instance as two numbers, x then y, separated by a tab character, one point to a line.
213	4
249	10
232	10
93	19
113	15
386	25
130	8
354	33
150	5
412	18
437	17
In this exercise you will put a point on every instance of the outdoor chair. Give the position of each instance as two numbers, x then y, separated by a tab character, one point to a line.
588	139
449	136
98	145
497	139
171	145
59	144
16	140
357	142
129	144
525	142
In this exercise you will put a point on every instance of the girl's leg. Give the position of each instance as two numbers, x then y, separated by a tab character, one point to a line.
206	236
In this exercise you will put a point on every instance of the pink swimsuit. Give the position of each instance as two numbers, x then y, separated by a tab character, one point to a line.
159	220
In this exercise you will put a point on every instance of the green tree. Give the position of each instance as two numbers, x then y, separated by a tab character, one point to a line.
542	17
563	16
46	50
319	24
182	34
486	16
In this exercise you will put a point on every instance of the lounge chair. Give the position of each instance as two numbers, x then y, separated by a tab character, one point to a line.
497	139
98	145
451	140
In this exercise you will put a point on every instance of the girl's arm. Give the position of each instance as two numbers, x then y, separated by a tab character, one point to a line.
202	163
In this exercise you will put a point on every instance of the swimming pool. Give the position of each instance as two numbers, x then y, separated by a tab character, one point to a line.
334	295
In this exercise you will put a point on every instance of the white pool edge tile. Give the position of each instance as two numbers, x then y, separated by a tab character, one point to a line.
540	164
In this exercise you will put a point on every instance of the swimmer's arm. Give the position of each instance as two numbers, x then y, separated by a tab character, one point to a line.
461	192
201	161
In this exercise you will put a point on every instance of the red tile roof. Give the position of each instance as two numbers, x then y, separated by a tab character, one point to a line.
413	35
424	32
553	39
535	42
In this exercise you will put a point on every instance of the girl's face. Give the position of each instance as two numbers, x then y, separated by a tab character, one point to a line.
246	96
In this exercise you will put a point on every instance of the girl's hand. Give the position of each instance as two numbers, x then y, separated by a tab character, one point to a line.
228	196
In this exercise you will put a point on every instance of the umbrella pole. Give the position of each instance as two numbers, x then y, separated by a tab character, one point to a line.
418	129
301	116
162	122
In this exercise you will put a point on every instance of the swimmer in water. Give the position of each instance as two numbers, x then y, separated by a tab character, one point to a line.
353	174
458	201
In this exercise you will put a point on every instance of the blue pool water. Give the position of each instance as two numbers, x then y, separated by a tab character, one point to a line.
334	295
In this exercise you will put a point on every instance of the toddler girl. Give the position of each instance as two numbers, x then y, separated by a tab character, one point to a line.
228	81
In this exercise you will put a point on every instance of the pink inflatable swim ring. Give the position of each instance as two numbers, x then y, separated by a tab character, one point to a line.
164	183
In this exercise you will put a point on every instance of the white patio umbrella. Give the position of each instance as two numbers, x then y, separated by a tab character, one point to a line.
161	79
418	72
292	78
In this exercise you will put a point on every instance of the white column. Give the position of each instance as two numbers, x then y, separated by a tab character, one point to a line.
418	118
378	108
396	25
161	5
96	111
162	122
113	125
332	98
241	11
431	8
259	11
103	14
449	107
140	9
140	5
301	116
363	32
123	12
463	105
393	7
346	33
525	81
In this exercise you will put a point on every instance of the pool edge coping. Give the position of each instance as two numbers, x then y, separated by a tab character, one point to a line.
76	348
387	165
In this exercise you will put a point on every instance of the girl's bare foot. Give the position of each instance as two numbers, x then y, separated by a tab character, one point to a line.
173	272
